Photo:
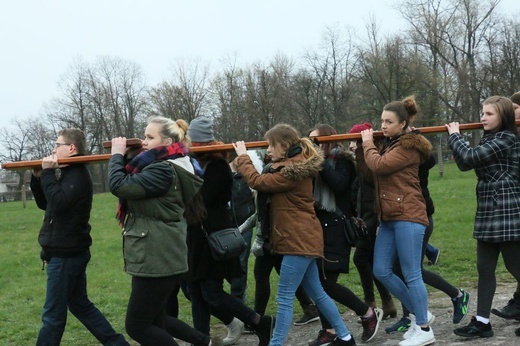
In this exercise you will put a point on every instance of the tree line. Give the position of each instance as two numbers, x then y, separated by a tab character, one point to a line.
451	54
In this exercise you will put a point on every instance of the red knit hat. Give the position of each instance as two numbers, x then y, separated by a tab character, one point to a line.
360	127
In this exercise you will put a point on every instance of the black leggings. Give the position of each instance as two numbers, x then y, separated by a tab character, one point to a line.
341	294
172	303
263	267
146	320
430	278
364	262
209	298
487	259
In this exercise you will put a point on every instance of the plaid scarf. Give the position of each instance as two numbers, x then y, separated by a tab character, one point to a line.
138	163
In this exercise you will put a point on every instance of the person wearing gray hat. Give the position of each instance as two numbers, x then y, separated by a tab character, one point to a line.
201	130
206	275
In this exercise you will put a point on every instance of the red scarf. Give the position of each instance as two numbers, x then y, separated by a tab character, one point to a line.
138	163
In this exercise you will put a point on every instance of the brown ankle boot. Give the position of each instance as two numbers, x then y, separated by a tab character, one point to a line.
389	310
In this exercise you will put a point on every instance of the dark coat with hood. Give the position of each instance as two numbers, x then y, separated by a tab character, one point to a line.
398	194
66	196
424	173
338	174
216	192
294	227
242	200
365	205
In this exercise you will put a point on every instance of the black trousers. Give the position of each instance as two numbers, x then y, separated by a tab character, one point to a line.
146	319
263	267
487	259
341	294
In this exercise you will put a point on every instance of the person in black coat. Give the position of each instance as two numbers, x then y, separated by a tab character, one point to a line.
206	275
65	193
332	194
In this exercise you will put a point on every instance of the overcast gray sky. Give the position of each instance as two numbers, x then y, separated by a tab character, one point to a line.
40	39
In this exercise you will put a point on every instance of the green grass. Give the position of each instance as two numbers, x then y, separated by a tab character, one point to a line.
22	281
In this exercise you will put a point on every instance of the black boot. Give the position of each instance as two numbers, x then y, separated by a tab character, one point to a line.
264	329
511	311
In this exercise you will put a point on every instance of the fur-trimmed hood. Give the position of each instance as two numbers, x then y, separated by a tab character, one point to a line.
298	168
343	153
417	141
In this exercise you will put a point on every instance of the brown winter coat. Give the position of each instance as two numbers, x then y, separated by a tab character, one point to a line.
398	194
295	229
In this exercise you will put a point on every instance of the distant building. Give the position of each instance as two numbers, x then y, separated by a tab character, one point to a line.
9	186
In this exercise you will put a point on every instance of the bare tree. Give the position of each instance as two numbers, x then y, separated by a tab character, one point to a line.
25	140
247	102
330	71
228	98
454	33
502	66
185	95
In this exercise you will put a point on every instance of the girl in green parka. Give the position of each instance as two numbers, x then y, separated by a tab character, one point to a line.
154	189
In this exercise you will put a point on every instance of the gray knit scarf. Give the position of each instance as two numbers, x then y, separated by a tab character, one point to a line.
323	196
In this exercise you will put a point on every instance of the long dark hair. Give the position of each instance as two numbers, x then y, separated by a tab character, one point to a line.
326	130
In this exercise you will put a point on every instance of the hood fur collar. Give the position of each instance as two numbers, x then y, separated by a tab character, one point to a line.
298	168
342	153
418	142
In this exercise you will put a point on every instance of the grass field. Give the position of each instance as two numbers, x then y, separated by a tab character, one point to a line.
22	281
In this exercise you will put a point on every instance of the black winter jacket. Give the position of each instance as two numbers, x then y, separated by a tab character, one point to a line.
242	200
66	196
216	192
339	178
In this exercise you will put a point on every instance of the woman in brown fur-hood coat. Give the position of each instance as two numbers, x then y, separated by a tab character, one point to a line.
396	176
294	228
401	210
295	231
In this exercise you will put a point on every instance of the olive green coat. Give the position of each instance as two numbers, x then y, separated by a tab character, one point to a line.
154	235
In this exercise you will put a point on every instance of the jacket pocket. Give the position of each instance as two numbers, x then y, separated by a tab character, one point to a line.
391	203
135	245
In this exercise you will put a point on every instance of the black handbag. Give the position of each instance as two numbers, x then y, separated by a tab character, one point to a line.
355	229
226	243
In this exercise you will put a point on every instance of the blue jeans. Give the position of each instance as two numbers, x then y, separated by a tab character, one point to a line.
67	288
403	240
302	270
430	250
239	284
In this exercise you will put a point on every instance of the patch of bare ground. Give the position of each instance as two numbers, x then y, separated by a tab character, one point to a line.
439	304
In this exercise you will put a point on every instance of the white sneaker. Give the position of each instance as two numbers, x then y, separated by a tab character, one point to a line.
413	326
235	330
419	338
411	331
429	316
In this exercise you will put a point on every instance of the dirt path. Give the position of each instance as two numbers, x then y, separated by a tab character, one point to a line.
439	305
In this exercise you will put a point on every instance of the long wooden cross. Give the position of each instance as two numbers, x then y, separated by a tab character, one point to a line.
21	165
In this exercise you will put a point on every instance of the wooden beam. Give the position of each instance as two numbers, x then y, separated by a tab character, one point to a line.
136	142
